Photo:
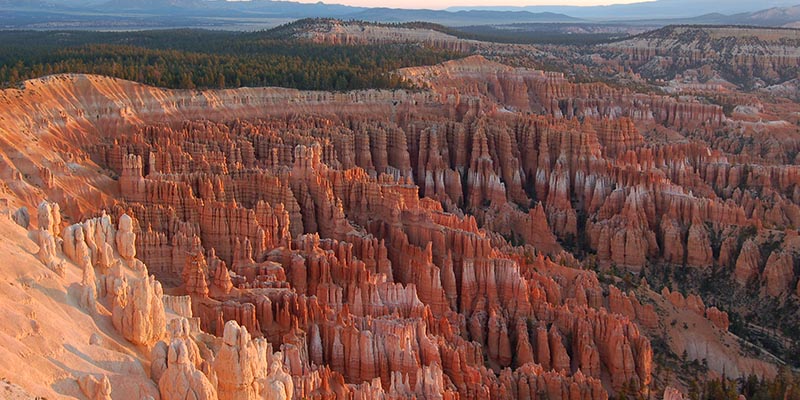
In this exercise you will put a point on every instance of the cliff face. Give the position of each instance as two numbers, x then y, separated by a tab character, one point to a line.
550	93
740	54
354	33
389	244
336	32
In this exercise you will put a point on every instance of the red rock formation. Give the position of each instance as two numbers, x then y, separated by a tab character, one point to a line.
405	256
779	273
698	247
559	360
619	303
194	275
626	239
695	304
670	393
543	348
718	318
747	264
672	239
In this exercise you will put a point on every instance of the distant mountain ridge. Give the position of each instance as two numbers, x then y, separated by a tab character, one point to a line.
467	17
263	14
288	9
651	10
155	4
782	15
772	17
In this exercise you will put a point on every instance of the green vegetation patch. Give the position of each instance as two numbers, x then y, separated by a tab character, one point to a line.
188	59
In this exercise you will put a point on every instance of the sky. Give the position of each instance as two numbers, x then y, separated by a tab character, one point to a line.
440	4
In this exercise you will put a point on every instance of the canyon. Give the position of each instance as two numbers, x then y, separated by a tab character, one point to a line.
500	233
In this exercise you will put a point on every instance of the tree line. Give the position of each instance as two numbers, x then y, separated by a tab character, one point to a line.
189	59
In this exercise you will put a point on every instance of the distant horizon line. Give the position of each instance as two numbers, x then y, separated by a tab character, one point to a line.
459	5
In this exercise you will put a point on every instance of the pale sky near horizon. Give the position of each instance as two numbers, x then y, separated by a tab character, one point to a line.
440	4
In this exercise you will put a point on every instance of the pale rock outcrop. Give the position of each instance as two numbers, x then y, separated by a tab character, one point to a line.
236	364
126	239
138	311
95	388
181	380
49	215
159	360
47	247
99	234
278	384
76	249
178	329
247	369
